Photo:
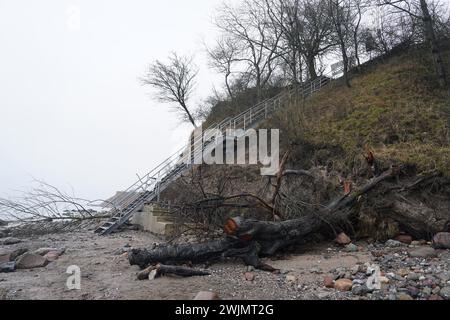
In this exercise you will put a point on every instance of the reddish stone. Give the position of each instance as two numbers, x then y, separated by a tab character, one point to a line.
52	256
6	257
30	261
435	297
343	285
249	276
442	240
343	239
328	282
404	238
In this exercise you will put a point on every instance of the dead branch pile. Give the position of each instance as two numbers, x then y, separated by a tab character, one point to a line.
251	239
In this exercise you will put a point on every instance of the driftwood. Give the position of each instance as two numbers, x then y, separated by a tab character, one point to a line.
251	239
162	270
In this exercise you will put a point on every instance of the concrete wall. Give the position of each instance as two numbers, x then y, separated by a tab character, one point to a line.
155	220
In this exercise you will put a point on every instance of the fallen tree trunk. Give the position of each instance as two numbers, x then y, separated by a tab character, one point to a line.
171	254
245	239
250	239
162	270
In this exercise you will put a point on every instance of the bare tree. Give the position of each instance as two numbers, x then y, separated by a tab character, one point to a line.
248	25
341	17
222	58
46	203
313	29
283	15
358	8
174	82
419	10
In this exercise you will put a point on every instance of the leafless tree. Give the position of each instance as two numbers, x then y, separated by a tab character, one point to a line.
282	15
249	26
223	57
419	10
342	20
174	82
46	203
313	27
359	8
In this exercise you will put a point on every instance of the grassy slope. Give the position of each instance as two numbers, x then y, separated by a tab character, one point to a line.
392	108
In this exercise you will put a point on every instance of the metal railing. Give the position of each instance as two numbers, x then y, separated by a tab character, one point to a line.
149	187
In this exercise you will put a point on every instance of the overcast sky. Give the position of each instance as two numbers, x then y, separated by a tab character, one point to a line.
72	111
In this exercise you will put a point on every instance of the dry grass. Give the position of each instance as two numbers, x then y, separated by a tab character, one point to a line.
395	108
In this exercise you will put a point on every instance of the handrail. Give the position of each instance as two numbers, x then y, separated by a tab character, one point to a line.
245	119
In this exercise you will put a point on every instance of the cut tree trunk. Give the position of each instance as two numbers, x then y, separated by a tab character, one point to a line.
170	254
162	270
250	239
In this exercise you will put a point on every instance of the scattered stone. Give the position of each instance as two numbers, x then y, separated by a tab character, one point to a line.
444	276
403	272
413	276
323	295
359	282
30	261
316	270
9	241
404	297
291	279
435	297
343	239
436	290
393	276
445	293
7	267
393	244
360	290
442	240
249	276
351	248
251	269
384	280
52	255
328	282
343	285
403	238
377	254
423	252
18	253
413	291
339	273
355	270
5	257
44	251
207	296
427	291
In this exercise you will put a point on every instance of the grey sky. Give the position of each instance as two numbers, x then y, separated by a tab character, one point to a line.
72	111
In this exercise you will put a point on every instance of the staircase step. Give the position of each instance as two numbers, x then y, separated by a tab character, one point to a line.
164	219
141	194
